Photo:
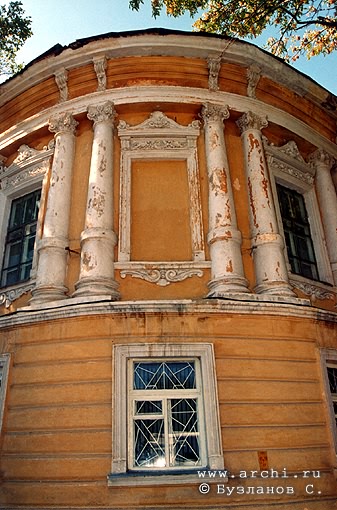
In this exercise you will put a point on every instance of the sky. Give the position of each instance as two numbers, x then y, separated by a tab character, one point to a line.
64	21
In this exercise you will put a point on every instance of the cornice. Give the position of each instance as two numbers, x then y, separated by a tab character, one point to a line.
167	94
184	44
82	307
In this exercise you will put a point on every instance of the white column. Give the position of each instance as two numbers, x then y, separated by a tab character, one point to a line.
323	163
224	238
268	247
98	238
334	176
52	254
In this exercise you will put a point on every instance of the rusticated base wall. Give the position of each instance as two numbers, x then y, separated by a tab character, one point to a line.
57	428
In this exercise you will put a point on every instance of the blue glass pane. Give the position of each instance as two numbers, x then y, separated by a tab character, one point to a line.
164	375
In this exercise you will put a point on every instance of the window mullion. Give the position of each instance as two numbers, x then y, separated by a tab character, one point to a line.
167	431
22	248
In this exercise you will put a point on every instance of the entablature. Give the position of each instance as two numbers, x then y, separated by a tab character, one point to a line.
168	95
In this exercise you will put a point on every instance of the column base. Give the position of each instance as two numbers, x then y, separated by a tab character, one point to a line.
275	288
46	293
89	286
221	287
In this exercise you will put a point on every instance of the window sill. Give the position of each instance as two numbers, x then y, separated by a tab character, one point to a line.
160	478
13	292
313	288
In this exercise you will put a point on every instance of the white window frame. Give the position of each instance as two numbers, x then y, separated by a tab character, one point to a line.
123	355
160	138
288	168
163	396
26	174
4	368
329	357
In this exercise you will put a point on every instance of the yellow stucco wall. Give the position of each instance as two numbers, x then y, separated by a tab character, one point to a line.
56	442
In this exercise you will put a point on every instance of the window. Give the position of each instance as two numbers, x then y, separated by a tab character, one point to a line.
297	233
329	370
299	219
332	378
20	239
165	409
20	228
4	362
165	413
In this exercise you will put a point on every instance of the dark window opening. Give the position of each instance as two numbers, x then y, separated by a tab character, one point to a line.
332	376
20	239
297	234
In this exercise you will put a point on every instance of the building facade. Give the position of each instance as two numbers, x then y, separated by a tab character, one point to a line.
168	233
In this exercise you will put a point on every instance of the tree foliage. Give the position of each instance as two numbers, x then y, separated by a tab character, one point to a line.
15	29
301	27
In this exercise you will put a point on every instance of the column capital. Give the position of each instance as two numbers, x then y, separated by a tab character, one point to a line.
103	112
322	158
213	113
251	120
62	123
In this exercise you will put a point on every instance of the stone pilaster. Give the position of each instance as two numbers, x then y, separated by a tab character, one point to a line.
98	238
268	246
224	238
323	163
52	254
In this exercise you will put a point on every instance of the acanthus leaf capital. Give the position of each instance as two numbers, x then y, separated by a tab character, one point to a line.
63	123
104	112
322	158
214	113
251	120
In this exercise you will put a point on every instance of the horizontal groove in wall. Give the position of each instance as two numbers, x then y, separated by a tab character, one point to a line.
60	405
270	402
254	449
276	359
272	425
65	341
194	338
54	481
267	379
221	402
78	482
50	456
55	431
99	481
240	357
71	361
109	381
62	383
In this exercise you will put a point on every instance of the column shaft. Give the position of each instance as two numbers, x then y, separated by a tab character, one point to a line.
268	247
98	238
224	238
327	198
52	254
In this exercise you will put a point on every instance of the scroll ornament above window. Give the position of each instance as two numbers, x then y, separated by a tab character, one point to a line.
28	164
